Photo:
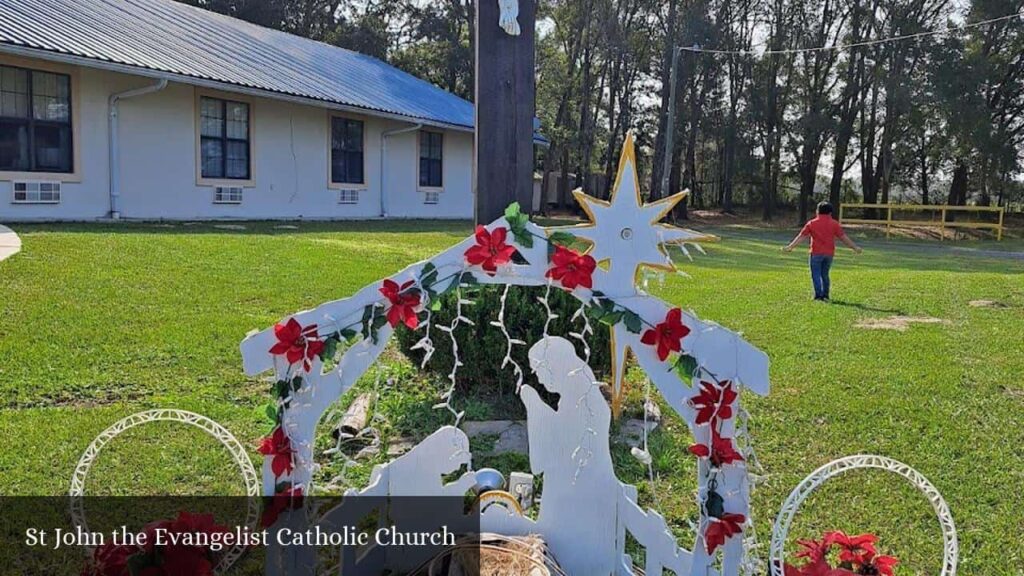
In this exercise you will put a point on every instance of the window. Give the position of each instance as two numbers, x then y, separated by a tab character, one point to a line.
431	159
227	195
348	196
346	151
35	121
37	192
224	139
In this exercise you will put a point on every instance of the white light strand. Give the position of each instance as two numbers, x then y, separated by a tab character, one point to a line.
841	47
509	341
446	398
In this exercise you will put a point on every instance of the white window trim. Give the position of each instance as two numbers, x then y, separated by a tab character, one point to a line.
76	114
331	184
197	113
444	154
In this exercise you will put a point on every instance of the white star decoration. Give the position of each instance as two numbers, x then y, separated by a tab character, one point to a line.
626	232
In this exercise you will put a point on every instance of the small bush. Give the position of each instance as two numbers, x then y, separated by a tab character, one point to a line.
482	346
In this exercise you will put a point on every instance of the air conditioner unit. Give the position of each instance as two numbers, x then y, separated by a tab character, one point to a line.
227	195
348	196
36	192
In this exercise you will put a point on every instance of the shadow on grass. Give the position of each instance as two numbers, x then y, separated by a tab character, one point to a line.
865	307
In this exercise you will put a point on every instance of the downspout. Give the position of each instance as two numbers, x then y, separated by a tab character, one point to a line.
112	141
384	160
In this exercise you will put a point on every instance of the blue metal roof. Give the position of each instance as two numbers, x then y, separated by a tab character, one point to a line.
170	38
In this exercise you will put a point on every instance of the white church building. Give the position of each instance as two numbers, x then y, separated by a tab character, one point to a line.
151	109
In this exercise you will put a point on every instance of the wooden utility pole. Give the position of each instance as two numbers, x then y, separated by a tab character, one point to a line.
505	97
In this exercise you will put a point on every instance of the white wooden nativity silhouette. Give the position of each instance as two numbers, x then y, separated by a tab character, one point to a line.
585	513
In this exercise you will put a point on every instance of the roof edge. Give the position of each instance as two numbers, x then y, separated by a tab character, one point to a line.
111	66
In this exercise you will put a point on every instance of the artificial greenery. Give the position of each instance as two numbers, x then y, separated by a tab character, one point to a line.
524	316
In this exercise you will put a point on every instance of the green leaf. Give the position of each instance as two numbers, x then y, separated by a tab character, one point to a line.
611	318
330	348
632	321
428	276
684	367
562	238
296	383
523	237
435	304
270	410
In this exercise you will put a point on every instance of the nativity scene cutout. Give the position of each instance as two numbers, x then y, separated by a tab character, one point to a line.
585	513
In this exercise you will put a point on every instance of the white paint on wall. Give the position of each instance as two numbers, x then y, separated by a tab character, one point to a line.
290	160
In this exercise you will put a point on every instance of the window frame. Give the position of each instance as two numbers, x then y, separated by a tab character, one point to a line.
225	97
419	161
331	184
73	124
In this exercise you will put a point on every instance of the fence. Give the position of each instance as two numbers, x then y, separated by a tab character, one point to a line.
941	224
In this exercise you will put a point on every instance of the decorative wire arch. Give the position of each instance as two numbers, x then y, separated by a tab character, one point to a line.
218	432
950	545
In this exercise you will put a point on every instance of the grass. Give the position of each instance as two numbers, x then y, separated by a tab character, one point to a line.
98	322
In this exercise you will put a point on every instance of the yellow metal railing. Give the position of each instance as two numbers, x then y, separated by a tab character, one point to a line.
941	224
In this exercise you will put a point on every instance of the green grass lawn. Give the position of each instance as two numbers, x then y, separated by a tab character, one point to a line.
97	322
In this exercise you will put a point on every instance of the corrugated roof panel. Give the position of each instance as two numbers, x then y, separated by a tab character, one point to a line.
166	36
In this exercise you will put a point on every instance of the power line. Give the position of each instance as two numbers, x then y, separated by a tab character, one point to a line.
980	23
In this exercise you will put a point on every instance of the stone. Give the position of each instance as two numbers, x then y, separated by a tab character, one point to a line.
631	433
400	446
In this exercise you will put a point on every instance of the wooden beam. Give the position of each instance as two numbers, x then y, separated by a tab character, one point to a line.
505	96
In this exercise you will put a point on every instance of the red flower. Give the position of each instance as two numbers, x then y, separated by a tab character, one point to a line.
721	452
491	250
110	560
812	550
403	303
714	401
720	529
854	548
279	446
297	343
882	565
289	498
668	335
571	268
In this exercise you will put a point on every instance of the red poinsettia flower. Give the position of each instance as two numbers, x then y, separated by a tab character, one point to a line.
813	550
110	560
853	548
714	401
819	568
721	451
871	564
279	446
668	335
491	250
403	303
720	529
571	268
297	343
289	498
176	559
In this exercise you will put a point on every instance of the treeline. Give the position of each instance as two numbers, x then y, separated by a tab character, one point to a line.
777	102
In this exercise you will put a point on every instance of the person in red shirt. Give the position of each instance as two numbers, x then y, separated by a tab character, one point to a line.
822	232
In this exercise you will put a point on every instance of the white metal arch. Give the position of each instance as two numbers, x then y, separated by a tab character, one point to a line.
221	434
950	546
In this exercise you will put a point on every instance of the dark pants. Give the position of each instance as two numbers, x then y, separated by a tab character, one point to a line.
820	265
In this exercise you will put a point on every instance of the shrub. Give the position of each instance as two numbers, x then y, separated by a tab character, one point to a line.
482	346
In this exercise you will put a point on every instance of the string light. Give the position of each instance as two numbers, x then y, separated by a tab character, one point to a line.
839	47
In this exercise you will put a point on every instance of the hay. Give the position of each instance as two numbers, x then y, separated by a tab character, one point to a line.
496	555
